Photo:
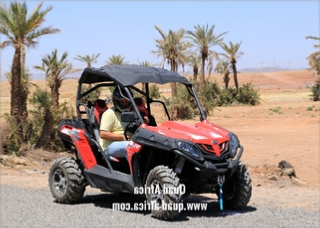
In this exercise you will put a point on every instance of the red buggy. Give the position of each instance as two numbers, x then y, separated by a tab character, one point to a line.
189	159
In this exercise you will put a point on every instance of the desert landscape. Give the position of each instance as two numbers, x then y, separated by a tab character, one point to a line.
285	126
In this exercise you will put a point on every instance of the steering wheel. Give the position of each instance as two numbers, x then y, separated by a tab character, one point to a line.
131	127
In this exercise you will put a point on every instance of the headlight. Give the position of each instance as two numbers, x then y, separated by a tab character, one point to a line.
187	148
234	142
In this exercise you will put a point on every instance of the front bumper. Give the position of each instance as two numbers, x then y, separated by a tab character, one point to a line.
210	169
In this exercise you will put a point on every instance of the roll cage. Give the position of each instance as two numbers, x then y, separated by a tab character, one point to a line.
127	76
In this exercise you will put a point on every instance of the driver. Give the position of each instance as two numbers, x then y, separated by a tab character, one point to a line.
112	138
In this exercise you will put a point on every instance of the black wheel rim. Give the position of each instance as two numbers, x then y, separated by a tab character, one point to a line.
59	181
157	196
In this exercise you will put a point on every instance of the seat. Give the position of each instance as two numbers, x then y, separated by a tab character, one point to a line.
141	106
144	111
98	108
96	111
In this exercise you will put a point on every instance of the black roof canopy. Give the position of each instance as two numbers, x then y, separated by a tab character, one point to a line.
127	75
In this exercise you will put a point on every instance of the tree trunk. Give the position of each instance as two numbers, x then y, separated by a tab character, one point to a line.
15	105
173	84
235	75
46	130
202	78
195	73
24	87
24	97
226	79
143	87
55	96
23	57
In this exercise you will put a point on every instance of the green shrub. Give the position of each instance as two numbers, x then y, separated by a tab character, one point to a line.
316	91
180	107
64	111
248	95
208	95
154	91
310	108
10	142
41	102
227	97
276	110
32	128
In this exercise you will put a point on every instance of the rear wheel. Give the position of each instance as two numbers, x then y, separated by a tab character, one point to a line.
163	193
238	189
66	181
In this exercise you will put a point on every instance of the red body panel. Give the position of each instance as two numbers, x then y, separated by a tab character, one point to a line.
204	133
132	148
82	144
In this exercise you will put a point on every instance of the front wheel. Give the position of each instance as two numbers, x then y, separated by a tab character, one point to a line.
66	181
164	193
238	189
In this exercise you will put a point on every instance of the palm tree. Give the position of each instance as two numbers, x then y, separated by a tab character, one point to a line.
173	49
314	63
55	71
25	83
194	60
232	54
223	68
314	38
314	58
204	38
116	60
146	63
21	31
88	59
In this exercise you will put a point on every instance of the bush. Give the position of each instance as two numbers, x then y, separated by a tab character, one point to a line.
248	95
212	95
208	95
227	97
33	127
180	107
64	111
154	91
184	107
316	91
10	142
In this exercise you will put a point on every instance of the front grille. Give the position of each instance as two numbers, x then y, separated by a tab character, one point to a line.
209	153
208	147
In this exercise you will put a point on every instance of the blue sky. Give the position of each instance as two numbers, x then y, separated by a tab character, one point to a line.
272	32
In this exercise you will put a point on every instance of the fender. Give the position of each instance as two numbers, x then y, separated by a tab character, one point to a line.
82	145
132	148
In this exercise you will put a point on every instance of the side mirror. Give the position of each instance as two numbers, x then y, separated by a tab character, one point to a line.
128	117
